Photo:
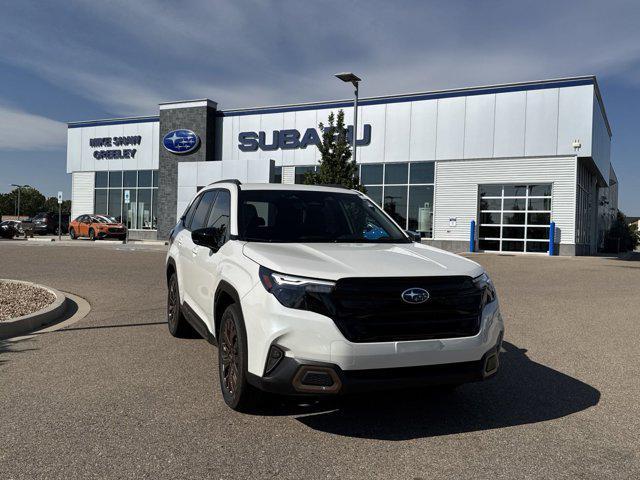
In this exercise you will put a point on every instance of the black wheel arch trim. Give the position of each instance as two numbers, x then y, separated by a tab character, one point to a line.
170	263
227	288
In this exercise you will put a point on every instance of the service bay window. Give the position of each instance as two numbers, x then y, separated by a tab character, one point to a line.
514	218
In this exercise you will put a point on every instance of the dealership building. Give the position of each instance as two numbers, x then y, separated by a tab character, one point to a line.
511	158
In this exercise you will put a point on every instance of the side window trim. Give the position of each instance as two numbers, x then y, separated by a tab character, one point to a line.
190	211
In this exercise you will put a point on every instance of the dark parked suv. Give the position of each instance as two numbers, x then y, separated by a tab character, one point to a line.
47	222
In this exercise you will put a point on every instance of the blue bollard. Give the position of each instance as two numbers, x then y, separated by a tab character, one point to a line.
472	238
552	239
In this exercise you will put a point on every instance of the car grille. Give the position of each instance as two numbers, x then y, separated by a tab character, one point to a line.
372	309
115	230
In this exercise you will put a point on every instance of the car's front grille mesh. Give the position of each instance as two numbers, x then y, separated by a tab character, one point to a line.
372	309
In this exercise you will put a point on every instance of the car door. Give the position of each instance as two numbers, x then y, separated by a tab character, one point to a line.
206	265
188	250
83	231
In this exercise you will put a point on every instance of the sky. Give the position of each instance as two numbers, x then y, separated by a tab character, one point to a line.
74	60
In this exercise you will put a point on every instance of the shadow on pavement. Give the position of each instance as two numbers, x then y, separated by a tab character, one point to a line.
99	327
14	346
523	392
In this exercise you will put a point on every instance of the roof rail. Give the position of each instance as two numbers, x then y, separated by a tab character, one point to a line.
235	181
333	185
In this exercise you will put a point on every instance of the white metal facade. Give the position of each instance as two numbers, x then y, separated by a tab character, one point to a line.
530	133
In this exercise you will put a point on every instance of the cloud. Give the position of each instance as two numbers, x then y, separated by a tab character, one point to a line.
129	56
27	132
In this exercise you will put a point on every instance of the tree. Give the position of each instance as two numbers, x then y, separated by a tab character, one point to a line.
51	205
620	237
336	164
31	202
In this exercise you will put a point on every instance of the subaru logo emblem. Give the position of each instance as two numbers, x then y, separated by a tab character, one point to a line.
415	295
181	141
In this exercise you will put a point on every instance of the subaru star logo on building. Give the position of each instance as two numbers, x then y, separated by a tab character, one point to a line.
415	295
181	141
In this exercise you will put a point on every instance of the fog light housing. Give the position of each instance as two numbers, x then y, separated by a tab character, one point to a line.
273	359
312	379
491	364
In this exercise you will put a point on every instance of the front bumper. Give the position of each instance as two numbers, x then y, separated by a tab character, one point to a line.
295	377
107	234
310	338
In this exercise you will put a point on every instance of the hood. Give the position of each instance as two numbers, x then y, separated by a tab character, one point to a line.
332	261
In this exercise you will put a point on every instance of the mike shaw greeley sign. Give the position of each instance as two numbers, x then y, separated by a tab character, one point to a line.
117	153
290	139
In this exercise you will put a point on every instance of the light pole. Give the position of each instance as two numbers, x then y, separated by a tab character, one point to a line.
19	187
352	78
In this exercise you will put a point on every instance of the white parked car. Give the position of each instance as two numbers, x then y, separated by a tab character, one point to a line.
311	290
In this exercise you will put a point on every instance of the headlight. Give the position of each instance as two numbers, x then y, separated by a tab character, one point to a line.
299	292
484	283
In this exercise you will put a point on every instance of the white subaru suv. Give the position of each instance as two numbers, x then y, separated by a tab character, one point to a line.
312	290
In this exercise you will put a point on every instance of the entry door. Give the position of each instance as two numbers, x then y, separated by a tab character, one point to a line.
206	263
514	218
189	252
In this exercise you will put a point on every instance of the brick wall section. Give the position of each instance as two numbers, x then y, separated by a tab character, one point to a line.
200	120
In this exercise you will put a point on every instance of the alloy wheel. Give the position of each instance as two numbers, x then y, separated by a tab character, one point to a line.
230	356
172	305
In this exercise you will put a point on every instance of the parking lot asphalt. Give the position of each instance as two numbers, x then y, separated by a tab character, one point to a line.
115	396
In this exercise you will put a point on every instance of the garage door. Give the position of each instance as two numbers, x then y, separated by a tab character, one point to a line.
514	218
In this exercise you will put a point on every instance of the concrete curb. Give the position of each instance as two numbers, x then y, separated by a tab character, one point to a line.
36	320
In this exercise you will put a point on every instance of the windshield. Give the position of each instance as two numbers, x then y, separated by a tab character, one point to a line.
313	216
104	219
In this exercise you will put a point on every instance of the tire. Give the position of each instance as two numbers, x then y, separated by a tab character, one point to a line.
72	234
178	325
237	393
92	235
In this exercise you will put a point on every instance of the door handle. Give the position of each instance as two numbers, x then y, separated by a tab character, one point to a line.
194	250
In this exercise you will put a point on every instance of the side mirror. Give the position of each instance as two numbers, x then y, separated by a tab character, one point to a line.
415	236
207	237
182	219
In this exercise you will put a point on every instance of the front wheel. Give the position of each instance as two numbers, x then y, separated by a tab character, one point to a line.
178	325
72	234
232	362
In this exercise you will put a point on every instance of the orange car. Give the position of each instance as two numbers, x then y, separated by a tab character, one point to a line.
96	227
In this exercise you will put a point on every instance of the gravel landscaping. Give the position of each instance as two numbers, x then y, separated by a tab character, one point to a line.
18	299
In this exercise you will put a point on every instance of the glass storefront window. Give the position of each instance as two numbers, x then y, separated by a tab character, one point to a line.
102	179
144	178
371	174
277	175
100	199
115	179
144	208
154	217
155	178
405	191
421	209
300	173
395	173
115	203
395	204
109	197
130	179
129	210
375	193
421	172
